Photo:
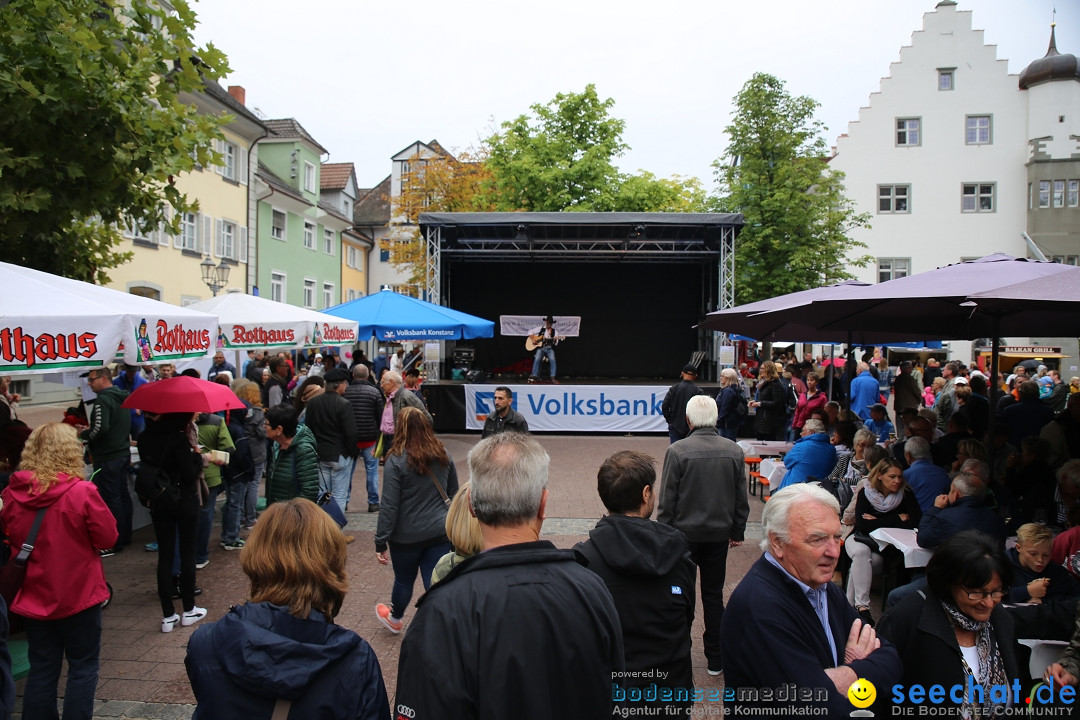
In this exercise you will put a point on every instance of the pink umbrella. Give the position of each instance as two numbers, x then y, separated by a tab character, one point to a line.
183	394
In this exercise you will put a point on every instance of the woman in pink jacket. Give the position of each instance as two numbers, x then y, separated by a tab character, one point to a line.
64	587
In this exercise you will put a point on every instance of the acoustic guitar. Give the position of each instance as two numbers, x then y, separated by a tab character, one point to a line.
534	341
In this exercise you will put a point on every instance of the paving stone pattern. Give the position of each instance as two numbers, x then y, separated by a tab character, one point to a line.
142	669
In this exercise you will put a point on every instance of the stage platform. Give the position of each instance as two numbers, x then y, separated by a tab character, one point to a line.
586	405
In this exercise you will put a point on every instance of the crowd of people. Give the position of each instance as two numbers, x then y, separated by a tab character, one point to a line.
608	621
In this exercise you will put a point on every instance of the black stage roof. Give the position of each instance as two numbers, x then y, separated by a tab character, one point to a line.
581	236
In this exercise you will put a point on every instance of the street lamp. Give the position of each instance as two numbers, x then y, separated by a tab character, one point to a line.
215	276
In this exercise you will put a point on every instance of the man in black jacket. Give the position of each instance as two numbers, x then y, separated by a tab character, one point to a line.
505	418
330	417
674	406
367	405
647	567
520	630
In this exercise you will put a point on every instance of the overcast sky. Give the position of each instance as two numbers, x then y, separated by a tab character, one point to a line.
367	78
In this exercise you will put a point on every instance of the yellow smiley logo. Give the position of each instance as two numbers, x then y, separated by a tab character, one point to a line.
862	693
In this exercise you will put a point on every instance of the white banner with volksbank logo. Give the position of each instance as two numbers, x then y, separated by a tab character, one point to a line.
575	408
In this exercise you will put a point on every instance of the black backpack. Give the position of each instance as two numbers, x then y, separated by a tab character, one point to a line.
741	408
241	465
156	489
792	397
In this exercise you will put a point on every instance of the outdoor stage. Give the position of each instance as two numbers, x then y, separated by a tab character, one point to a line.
590	405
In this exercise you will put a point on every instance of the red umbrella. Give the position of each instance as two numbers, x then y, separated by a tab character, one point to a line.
183	394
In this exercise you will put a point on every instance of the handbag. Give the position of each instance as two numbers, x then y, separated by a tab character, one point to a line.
326	501
13	572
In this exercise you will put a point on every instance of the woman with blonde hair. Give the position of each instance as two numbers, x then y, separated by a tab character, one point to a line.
885	501
464	532
282	646
770	401
418	481
64	586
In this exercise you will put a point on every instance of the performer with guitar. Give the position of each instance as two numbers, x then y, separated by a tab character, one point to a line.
543	339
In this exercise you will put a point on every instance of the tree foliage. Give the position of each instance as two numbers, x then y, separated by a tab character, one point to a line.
560	158
443	183
93	128
776	173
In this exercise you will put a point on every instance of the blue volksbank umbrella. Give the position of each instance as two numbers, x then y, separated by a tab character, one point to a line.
399	318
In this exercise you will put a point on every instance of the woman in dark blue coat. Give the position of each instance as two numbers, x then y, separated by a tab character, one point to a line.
283	646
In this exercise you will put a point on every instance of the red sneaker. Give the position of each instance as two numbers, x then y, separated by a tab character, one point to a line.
392	624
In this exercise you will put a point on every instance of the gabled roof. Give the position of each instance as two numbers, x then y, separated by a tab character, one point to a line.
373	205
285	128
434	146
331	210
214	90
335	176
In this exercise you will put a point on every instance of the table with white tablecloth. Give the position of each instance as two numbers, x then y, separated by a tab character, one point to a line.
773	470
906	541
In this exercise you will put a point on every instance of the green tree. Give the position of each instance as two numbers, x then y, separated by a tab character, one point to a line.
560	158
776	173
645	192
93	128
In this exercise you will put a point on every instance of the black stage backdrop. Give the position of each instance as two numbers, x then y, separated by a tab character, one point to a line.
636	318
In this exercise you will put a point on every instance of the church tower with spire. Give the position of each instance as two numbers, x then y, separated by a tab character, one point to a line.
1052	87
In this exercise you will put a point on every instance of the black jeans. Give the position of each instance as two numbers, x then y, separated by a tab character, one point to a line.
711	559
181	523
78	638
111	479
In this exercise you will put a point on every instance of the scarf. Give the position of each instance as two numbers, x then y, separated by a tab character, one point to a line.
883	503
993	669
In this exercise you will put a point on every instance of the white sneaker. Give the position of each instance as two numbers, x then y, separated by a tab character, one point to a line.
167	624
193	616
200	566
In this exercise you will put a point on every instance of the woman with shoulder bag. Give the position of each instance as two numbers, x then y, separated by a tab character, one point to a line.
418	482
64	585
169	442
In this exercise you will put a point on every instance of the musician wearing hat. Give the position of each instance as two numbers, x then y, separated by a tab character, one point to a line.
674	406
544	339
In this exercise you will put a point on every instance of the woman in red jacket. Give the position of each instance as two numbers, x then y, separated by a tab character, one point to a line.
64	587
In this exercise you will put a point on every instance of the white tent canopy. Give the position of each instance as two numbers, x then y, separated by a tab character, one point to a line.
247	321
50	323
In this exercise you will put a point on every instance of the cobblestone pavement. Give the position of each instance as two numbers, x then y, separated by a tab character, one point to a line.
142	669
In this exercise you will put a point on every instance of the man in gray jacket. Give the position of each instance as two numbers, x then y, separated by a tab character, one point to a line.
704	496
395	400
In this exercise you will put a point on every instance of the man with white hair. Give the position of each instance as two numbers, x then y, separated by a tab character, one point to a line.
788	624
704	496
520	630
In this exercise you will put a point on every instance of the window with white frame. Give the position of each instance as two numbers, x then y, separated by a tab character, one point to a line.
977	197
277	286
188	239
309	293
355	258
227	240
893	268
978	130
350	295
138	231
328	295
309	177
894	199
1057	197
278	225
309	235
1066	259
228	160
328	241
1073	197
1044	193
907	131
946	78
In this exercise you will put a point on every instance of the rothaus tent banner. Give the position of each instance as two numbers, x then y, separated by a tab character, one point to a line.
520	325
587	408
247	321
